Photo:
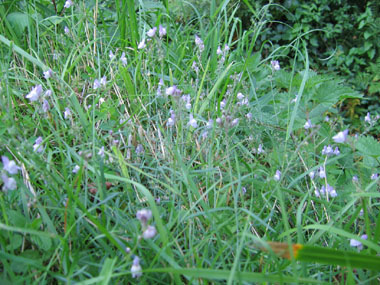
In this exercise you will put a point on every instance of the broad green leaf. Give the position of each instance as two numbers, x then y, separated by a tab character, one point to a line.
368	145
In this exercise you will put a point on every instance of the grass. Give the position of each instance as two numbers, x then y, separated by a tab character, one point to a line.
213	194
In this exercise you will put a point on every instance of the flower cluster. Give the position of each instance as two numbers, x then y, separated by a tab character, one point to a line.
144	216
10	167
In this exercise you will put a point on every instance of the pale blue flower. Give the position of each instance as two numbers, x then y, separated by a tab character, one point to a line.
136	269
151	32
149	232
275	64
68	4
48	73
9	182
341	137
277	176
35	93
9	165
161	31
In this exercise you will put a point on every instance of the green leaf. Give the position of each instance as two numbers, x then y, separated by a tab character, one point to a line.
332	92
368	145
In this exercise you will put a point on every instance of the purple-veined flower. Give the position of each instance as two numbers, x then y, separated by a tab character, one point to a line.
48	73
9	182
322	172
37	147
103	81
45	105
161	31
171	90
260	149
192	122
199	43
35	93
141	45
327	150
240	96
277	176
139	149
68	4
235	122
367	118
96	84
48	93
275	64
374	176
9	165
151	32
219	51
123	59
149	232
76	168
249	116
340	137
136	269
195	67
144	216
111	55
336	151
66	30
312	175
67	113
358	244
101	152
308	125
355	178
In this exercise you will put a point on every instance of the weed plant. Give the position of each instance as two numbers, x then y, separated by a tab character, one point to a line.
138	148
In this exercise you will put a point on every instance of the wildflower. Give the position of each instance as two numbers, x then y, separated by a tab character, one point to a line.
341	137
48	92
170	122
35	93
240	96
192	122
150	232
48	73
66	30
103	81
374	176
144	216
96	84
317	194
67	113
136	269
312	174
322	172
235	122
139	149
141	45
37	145
327	118
336	151
275	64
277	176
45	105
195	67
151	32
260	149
210	124
68	4
355	178
219	51
308	125
367	118
222	104
199	43
9	182
226	48
244	190
161	31
76	168
358	244
249	116
111	55
171	90
9	165
123	59
218	121
327	150
331	191
101	152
